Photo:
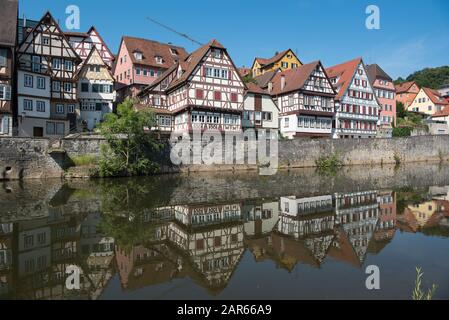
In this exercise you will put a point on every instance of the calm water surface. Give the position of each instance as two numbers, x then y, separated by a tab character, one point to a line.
296	235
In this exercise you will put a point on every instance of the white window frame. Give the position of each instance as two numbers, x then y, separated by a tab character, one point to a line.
5	92
56	63
39	104
40	80
68	65
68	87
26	103
59	108
27	83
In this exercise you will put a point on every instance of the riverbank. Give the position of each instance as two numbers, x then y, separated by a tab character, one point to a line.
26	158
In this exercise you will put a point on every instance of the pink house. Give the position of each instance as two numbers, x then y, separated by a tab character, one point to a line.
386	95
140	62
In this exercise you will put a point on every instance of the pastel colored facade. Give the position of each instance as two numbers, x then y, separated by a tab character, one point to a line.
47	88
260	111
8	42
83	43
385	92
284	60
95	90
406	93
305	98
428	101
356	106
202	92
140	62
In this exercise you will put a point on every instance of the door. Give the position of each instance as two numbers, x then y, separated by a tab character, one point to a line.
38	132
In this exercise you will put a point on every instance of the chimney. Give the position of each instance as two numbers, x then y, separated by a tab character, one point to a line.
282	82
270	87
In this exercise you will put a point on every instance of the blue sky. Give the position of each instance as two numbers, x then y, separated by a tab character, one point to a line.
413	34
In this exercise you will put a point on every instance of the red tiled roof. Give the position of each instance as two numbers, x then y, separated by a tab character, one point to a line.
404	87
435	96
276	58
442	113
294	78
151	49
254	88
244	71
345	71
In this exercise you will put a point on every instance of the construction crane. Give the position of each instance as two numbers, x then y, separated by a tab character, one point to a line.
173	30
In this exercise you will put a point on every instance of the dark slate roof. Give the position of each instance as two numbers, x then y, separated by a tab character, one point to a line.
374	72
8	22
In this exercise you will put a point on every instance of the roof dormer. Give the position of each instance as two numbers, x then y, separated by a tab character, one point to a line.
159	59
138	55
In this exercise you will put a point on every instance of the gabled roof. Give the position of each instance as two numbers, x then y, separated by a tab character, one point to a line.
151	49
435	96
374	72
244	71
8	22
264	79
254	88
93	51
404	87
189	65
87	35
266	62
345	71
294	78
48	15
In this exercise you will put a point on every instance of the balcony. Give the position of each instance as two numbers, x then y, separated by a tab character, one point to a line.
357	116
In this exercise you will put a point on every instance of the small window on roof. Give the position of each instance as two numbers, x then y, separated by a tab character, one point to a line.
158	59
174	51
138	55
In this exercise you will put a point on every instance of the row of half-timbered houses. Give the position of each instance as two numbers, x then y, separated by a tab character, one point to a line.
67	81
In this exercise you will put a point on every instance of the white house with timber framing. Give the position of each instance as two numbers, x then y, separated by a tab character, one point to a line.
47	86
202	92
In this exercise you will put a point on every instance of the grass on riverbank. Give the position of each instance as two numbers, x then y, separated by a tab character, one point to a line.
84	160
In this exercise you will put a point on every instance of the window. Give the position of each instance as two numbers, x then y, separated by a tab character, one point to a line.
84	87
50	128
68	65
40	106
224	74
145	72
217	73
294	65
41	238
152	73
57	128
284	65
138	71
5	92
286	122
28	105
28	241
40	82
45	40
3	57
199	94
266	116
70	108
95	87
59	108
429	108
28	80
216	53
159	59
56	63
67	87
36	65
138	55
217	96
56	86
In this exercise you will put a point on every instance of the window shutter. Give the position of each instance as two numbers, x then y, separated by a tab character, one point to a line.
230	74
204	71
5	122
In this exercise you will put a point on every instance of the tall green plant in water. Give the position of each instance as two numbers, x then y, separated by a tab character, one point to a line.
131	149
418	294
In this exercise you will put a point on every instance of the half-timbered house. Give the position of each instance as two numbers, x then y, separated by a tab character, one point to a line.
260	111
356	106
8	40
202	92
83	43
305	98
47	89
95	90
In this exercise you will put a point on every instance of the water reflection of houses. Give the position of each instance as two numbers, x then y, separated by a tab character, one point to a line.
203	242
40	248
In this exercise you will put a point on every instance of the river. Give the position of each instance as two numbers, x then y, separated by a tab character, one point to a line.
295	235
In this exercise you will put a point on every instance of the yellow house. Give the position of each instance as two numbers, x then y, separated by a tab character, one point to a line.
284	60
428	101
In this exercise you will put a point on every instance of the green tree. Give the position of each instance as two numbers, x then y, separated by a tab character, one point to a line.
400	110
249	78
130	149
